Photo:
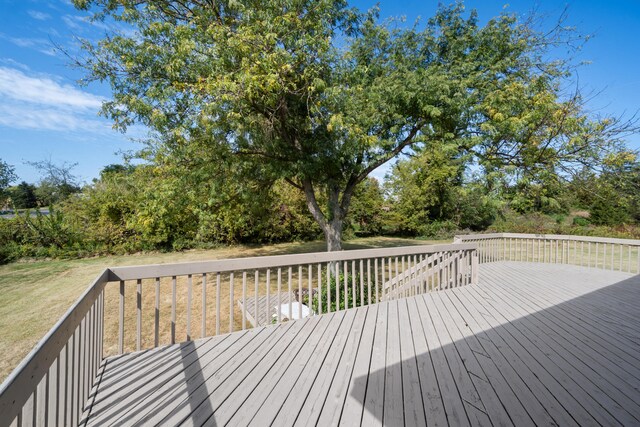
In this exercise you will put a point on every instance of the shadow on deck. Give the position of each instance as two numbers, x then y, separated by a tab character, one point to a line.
531	344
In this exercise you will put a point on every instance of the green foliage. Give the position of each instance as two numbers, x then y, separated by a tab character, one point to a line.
431	199
51	230
581	221
7	176
337	285
23	196
475	209
609	209
366	214
542	191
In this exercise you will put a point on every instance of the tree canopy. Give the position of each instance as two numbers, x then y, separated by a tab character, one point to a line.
320	94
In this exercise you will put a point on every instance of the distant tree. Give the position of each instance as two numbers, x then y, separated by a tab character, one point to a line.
57	181
423	187
319	94
23	196
7	176
366	214
115	169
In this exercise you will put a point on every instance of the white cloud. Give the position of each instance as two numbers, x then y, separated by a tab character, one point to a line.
41	45
73	22
24	116
43	90
40	16
14	63
84	24
41	102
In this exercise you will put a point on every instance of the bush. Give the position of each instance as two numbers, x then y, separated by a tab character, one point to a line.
609	211
335	287
581	221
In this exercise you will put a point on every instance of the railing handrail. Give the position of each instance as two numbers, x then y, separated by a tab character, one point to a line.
477	237
24	379
227	265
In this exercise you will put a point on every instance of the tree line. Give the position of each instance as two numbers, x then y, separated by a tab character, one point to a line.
429	194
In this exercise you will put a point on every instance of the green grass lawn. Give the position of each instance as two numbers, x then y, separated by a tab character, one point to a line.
35	294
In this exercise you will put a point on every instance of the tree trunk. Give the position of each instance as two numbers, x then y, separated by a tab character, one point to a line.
333	235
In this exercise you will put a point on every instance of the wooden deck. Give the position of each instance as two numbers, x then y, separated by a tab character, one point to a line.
532	344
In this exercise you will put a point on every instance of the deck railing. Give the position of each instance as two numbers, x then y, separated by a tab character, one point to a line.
594	252
52	384
141	307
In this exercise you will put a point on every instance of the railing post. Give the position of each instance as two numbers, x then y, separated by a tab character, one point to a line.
475	266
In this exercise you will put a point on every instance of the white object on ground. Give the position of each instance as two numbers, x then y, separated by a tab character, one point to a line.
295	311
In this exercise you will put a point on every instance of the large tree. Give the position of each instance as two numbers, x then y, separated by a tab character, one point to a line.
319	94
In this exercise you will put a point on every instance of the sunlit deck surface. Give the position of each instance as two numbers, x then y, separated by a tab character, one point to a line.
532	344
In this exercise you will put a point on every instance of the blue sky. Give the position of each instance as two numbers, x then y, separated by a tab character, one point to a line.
45	114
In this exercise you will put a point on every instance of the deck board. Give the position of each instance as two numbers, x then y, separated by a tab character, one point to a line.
531	344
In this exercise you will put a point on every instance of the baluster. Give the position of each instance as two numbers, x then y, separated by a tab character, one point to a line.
66	373
189	304
156	325
174	297
345	272
41	413
382	270
397	276
621	256
310	288
320	288
353	283
328	287
218	293
337	282
203	326
75	378
375	279
121	320
369	281
278	312
290	293
83	366
231	307
299	291
56	399
94	342
279	300
139	315
244	300
255	297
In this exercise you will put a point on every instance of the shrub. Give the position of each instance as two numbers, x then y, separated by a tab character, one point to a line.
581	221
335	287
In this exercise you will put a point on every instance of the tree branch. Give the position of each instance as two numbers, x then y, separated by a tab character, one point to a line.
405	143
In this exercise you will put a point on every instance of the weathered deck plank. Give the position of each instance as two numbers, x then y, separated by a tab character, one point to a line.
531	344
